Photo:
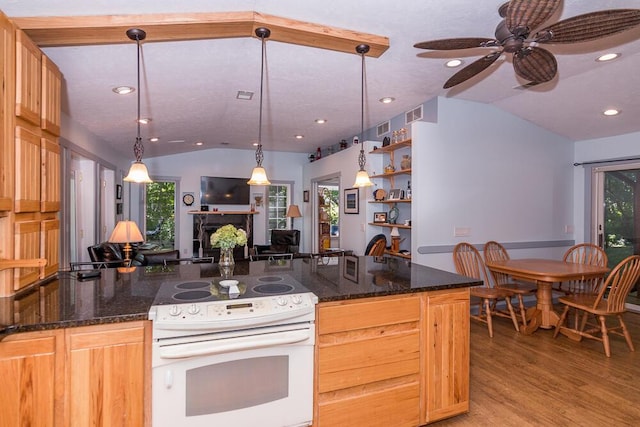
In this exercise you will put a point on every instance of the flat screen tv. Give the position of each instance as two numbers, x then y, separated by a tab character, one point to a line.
224	191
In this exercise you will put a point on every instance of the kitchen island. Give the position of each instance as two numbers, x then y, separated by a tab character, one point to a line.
392	343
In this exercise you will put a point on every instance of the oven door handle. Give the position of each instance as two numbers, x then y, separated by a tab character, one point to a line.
180	351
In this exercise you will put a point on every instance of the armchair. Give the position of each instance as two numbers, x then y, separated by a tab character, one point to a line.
282	242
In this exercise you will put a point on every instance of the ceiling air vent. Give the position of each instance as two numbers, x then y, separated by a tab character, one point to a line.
413	115
383	128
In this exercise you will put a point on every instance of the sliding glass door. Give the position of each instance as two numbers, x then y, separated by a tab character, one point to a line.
617	215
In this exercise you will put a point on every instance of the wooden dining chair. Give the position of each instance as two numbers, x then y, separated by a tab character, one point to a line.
494	251
468	262
583	253
608	302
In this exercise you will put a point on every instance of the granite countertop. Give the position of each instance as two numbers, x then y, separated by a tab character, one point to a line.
115	296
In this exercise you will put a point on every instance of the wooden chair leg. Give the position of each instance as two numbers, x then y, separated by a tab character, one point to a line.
512	313
489	319
625	332
563	316
605	336
523	312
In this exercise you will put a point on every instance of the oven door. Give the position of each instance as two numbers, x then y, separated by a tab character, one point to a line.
266	386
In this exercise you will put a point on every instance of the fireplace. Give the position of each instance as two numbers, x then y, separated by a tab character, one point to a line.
206	223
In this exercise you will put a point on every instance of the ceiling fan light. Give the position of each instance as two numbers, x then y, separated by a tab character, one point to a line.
138	173
258	177
454	63
362	179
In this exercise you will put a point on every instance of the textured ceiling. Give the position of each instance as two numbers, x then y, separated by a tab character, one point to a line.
189	87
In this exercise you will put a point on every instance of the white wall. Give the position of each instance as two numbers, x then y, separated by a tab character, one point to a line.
226	163
502	177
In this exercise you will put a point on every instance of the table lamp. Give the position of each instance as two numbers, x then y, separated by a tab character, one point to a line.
293	212
126	232
395	239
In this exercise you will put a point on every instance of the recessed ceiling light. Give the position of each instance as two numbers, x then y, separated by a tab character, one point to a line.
199	143
454	63
321	121
123	90
144	120
611	112
255	144
245	95
154	139
299	136
607	57
387	100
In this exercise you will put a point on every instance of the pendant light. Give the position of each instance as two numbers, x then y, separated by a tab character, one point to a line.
362	177
138	171
259	175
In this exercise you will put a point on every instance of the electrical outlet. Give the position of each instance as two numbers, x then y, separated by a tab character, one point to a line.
461	231
568	229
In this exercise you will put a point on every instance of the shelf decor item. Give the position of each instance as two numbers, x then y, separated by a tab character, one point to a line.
405	163
380	217
226	238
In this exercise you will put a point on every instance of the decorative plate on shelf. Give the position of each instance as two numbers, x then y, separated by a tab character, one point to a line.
393	215
379	195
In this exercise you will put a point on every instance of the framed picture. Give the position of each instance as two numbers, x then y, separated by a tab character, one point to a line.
305	196
351	201
350	268
379	217
118	191
395	194
119	209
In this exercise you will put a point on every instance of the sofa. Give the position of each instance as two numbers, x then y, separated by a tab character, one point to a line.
111	253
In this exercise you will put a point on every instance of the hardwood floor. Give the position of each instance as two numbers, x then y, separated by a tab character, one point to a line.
537	380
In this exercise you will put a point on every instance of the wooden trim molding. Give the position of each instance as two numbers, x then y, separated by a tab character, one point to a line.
52	31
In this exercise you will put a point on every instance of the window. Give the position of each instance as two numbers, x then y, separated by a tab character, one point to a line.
277	203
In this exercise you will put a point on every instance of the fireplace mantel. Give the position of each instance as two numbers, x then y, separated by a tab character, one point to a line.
223	213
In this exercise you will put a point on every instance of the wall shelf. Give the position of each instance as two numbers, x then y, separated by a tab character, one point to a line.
223	212
398	254
386	224
391	202
390	174
391	147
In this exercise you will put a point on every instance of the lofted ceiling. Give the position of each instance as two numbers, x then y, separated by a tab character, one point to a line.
190	81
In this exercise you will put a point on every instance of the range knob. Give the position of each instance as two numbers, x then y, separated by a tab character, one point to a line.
297	299
175	310
282	301
193	309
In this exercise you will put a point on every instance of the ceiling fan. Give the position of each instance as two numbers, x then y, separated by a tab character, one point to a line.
514	34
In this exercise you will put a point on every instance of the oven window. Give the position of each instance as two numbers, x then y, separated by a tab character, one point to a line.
236	385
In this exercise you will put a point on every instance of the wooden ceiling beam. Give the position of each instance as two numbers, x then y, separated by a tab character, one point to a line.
52	31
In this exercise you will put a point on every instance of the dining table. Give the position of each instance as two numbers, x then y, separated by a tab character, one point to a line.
544	272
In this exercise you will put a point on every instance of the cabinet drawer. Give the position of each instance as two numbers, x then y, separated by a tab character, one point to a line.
395	407
377	312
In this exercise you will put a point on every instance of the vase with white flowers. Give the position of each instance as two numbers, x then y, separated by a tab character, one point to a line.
226	238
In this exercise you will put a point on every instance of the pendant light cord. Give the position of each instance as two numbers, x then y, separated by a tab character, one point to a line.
137	35
362	161
263	33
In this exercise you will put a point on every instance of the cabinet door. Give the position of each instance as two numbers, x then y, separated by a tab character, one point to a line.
29	369
106	375
28	171
27	246
50	245
50	178
6	113
28	78
446	354
51	89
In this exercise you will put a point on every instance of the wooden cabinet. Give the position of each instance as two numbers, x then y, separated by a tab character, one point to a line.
51	90
50	244
398	360
324	227
26	246
106	375
84	376
50	175
31	366
7	49
28	79
446	351
397	178
28	170
368	363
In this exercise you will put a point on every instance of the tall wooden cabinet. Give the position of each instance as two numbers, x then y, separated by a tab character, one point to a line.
397	360
30	176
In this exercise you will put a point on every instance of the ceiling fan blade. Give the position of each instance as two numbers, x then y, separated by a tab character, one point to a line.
452	44
472	69
530	13
537	65
590	26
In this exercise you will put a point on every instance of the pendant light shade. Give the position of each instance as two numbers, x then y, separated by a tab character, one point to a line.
259	174
138	171
362	177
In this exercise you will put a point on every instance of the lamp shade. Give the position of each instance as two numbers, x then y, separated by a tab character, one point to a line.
258	177
395	232
293	212
126	232
362	179
138	173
